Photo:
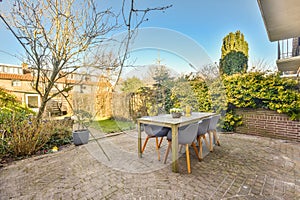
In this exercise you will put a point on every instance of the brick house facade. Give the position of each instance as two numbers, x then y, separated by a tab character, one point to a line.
18	80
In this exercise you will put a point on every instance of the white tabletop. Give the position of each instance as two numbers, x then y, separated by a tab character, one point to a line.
168	120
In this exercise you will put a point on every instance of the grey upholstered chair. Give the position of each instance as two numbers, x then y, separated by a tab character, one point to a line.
156	132
186	136
201	134
212	130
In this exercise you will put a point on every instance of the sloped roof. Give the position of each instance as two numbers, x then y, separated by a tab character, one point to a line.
27	77
23	77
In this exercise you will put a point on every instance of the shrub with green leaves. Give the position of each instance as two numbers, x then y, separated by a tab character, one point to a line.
23	135
250	90
27	137
11	111
234	62
201	92
259	90
60	133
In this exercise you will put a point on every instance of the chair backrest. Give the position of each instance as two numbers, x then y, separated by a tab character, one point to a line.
188	135
213	122
203	126
158	131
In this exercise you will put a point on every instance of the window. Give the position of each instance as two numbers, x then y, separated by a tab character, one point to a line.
16	83
32	100
82	87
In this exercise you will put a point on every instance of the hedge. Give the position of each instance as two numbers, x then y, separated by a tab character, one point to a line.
250	90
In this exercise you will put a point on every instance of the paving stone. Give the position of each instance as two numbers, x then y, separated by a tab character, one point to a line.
243	167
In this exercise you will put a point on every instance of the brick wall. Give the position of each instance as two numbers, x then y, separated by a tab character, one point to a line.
268	123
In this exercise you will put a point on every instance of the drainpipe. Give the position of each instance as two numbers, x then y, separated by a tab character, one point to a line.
278	51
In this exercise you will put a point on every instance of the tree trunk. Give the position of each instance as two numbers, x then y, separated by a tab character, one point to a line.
42	108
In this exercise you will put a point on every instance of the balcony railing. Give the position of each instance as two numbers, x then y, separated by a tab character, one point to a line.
288	48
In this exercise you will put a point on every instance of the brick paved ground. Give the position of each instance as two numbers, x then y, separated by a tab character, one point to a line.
244	167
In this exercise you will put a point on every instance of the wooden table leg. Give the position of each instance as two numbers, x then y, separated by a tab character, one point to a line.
210	141
174	148
139	140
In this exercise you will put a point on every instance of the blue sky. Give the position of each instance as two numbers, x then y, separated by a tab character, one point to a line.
205	22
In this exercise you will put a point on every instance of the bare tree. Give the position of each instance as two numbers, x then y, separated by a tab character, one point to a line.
262	65
209	72
55	35
114	61
133	17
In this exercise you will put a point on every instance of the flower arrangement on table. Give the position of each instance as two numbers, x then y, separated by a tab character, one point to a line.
176	112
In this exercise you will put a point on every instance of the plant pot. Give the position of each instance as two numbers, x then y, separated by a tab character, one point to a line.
81	136
176	115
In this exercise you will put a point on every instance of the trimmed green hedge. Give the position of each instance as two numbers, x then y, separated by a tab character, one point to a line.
250	90
258	90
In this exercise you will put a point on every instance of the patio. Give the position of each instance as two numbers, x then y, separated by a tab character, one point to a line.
243	167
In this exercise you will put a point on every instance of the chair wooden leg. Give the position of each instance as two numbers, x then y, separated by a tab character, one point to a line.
145	143
196	150
161	139
167	151
157	148
188	163
210	141
216	137
200	149
206	142
180	148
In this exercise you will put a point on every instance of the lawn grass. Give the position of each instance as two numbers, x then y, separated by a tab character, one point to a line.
112	126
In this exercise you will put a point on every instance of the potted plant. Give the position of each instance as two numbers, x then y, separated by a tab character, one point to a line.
82	120
176	112
83	115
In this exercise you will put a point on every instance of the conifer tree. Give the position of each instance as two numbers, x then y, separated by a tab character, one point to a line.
234	42
234	58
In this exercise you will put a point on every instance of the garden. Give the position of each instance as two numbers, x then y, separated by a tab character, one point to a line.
22	135
221	95
221	89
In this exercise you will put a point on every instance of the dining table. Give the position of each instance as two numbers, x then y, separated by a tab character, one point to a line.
166	120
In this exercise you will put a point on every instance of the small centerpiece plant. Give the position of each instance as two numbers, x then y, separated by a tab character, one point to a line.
176	112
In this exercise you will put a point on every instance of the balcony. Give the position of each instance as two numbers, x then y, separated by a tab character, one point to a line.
289	56
281	18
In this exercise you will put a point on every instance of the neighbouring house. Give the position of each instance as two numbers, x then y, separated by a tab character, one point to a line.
18	79
281	18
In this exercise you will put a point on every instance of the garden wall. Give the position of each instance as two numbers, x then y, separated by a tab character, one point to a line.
268	123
